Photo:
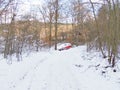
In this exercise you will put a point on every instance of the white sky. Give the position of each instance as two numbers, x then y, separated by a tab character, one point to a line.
26	5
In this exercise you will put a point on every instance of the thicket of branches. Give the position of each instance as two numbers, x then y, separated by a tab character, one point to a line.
96	24
107	26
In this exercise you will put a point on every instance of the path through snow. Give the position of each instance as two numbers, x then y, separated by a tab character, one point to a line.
65	70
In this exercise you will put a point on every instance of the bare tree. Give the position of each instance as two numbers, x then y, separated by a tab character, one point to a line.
56	7
107	27
51	15
79	13
113	25
97	28
4	4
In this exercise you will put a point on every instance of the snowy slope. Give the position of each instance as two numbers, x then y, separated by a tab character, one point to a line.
73	69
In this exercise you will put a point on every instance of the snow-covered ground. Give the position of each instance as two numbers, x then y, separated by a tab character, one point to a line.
73	69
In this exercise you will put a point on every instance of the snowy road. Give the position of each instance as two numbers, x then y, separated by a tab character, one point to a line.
55	71
51	73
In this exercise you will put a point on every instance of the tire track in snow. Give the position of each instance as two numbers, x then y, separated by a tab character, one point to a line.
31	72
57	75
35	68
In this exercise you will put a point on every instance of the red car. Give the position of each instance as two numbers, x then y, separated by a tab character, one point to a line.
64	46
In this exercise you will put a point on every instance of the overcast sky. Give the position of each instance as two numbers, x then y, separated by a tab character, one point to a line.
27	4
